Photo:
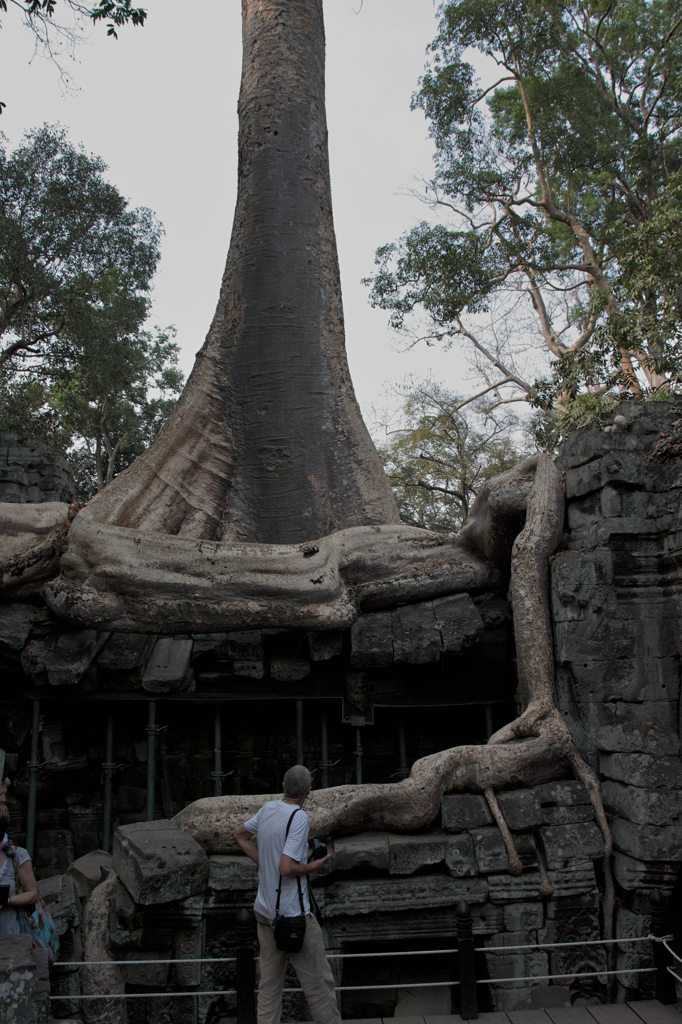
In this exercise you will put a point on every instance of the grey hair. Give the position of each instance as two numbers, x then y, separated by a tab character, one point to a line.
296	781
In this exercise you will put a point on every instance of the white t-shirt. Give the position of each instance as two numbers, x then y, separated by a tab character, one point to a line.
270	825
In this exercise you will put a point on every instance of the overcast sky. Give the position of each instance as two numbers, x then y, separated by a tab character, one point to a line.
159	105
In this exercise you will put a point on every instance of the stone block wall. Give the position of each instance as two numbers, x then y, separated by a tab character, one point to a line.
24	984
383	891
616	586
31	472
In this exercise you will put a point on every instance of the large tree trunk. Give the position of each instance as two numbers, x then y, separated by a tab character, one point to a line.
267	442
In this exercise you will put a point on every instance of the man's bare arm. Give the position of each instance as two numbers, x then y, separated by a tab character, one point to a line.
244	840
288	866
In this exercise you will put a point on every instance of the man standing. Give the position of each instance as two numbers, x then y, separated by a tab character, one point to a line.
281	858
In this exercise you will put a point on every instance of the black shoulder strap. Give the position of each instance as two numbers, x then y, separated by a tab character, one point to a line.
298	877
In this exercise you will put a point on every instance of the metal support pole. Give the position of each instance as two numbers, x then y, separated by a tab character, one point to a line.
299	732
489	730
358	756
246	969
217	772
468	1006
33	781
152	733
108	769
403	771
324	751
665	983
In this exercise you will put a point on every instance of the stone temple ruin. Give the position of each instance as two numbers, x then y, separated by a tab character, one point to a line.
492	717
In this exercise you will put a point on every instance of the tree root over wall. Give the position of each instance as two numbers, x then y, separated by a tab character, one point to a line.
365	567
535	748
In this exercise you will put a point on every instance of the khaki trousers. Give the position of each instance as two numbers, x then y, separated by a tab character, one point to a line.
312	970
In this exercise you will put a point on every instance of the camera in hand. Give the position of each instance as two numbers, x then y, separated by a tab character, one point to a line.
319	850
4	895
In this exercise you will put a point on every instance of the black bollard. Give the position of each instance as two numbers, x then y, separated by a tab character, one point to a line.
468	1006
246	969
665	983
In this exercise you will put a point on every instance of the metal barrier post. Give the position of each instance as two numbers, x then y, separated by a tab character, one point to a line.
299	732
468	1006
324	751
152	733
358	756
108	769
217	772
665	983
246	969
33	766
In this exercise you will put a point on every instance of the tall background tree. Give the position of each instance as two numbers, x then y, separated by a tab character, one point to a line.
561	263
54	36
441	451
76	265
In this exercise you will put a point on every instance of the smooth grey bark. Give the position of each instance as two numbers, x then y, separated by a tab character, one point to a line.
267	443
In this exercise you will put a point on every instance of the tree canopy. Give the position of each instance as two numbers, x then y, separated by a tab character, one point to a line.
561	262
52	36
77	366
441	454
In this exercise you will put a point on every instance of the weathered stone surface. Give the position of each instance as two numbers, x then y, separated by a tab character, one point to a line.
188	945
567	815
158	862
152	975
494	611
416	637
645	770
169	667
620	467
24	984
644	806
32	472
523	917
536	997
15	624
289	668
575	878
521	808
647	842
631	873
407	854
126	652
62	902
566	793
645	737
325	644
506	888
626	679
518	963
368	849
491	853
581	580
363	896
459	621
63	659
371	637
231	872
563	844
460	857
88	871
462	811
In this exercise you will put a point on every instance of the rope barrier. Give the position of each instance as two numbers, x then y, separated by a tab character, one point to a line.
415	952
121	963
554	977
365	988
671	951
560	945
